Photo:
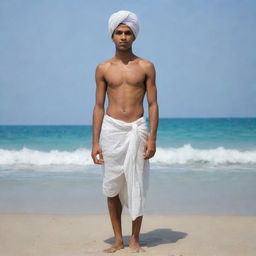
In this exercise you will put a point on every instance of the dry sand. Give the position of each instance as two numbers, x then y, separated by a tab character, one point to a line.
170	235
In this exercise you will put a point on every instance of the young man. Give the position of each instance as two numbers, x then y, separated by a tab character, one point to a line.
121	142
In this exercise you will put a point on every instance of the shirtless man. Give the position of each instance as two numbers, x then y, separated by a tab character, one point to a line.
125	78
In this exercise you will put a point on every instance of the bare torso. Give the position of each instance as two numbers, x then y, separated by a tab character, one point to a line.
125	88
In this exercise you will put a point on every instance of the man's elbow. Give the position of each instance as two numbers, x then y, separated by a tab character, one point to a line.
152	104
99	107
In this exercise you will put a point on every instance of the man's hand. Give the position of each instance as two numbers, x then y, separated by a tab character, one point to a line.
96	151
149	149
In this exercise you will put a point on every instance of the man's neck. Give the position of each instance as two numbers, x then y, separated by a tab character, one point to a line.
124	56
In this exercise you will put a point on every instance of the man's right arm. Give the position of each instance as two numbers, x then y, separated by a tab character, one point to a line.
98	114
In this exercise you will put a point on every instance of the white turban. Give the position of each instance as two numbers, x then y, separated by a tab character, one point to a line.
128	18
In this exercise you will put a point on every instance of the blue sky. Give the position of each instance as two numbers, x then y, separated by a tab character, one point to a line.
203	51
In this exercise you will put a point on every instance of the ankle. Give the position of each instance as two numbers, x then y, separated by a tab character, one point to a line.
134	239
118	241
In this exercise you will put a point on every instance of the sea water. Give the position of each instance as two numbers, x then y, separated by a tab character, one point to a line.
202	166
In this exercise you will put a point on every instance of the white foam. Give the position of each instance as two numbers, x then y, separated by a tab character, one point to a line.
218	156
185	155
25	156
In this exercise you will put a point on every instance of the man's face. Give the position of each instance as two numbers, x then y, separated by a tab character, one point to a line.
123	37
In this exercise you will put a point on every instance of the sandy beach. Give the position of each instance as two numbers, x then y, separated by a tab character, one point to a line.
170	235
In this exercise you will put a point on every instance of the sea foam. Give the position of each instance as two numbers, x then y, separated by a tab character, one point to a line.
218	156
185	155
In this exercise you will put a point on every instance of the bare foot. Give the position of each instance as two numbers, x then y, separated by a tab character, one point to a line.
114	248
135	247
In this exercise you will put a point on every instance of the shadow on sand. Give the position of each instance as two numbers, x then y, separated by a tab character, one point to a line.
154	237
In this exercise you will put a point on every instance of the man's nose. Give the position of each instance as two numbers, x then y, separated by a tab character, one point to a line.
123	37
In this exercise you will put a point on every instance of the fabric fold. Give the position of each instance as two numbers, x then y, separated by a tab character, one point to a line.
126	17
125	171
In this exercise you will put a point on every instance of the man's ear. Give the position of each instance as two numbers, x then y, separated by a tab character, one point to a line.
134	38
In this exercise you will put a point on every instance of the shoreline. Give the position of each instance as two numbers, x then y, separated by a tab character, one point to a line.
173	235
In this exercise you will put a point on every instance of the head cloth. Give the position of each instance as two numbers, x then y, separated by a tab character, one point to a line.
128	18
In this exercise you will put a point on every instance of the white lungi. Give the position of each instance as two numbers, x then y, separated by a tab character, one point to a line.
125	171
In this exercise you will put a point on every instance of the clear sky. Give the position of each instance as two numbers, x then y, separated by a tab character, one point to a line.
203	51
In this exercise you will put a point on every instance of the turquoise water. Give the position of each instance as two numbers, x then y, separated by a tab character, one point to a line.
202	166
235	133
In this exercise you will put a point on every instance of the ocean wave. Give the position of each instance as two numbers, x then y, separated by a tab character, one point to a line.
218	156
185	155
26	156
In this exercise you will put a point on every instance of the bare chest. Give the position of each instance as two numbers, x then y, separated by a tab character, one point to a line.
132	75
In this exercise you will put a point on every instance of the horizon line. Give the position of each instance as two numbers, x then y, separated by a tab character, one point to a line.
145	117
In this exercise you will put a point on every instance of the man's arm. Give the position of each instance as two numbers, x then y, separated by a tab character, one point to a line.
150	147
98	114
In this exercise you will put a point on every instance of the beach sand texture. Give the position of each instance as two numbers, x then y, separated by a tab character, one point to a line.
169	235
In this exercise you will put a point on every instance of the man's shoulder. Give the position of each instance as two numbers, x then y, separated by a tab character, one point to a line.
147	65
145	61
102	66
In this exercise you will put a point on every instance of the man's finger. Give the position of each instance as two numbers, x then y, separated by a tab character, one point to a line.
99	158
101	155
146	155
152	153
145	149
94	157
95	160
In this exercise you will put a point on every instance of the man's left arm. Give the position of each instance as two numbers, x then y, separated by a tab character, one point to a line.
150	147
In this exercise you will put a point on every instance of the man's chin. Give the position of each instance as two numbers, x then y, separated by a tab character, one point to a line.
124	48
